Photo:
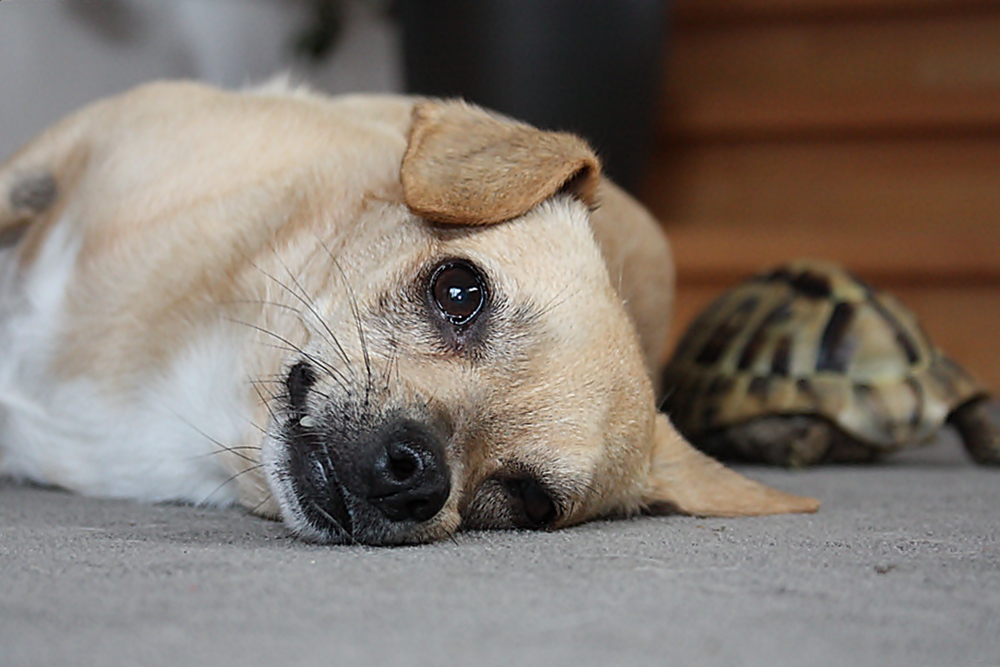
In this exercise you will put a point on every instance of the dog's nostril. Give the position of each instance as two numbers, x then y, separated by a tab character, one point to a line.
403	462
408	477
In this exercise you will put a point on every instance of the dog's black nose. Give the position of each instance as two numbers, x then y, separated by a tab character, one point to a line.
408	477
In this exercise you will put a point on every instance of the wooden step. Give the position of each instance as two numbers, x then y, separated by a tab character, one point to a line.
905	72
914	209
687	12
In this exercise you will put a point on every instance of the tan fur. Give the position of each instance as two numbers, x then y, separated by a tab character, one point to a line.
640	267
687	481
198	207
466	167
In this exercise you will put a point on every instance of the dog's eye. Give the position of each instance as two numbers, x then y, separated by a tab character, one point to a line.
532	502
459	292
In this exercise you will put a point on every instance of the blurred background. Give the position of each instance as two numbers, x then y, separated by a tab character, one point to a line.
863	131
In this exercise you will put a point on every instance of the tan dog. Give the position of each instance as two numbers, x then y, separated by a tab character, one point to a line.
380	318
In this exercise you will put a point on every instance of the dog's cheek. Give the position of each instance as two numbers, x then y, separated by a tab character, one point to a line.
489	509
444	525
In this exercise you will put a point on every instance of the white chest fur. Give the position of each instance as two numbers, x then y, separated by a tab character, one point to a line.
160	442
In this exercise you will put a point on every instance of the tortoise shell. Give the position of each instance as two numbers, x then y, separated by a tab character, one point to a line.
809	338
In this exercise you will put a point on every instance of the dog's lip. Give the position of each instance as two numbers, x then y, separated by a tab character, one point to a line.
332	516
320	495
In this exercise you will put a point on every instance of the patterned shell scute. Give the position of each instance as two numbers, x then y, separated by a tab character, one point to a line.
810	338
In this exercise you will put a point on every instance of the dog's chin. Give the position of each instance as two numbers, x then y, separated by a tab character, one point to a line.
367	528
324	511
360	524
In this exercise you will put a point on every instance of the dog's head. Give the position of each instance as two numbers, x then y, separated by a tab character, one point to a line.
483	370
437	337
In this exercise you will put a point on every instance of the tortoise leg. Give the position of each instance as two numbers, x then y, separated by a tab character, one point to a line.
786	440
979	427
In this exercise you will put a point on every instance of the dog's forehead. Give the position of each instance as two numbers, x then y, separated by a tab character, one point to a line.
549	250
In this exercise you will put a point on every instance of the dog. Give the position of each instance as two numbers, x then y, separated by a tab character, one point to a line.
380	318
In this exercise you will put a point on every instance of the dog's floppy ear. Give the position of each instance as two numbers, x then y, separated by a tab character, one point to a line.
465	166
684	480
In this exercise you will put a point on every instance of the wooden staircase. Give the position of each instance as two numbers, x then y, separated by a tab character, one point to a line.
863	131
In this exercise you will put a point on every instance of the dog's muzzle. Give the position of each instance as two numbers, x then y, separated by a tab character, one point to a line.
371	487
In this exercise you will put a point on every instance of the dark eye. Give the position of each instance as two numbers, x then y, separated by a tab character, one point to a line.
459	291
300	379
532	502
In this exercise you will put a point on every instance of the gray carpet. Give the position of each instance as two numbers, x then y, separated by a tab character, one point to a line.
901	566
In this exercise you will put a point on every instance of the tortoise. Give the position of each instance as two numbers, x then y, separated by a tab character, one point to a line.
807	364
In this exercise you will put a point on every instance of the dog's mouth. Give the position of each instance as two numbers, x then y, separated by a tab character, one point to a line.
378	484
317	492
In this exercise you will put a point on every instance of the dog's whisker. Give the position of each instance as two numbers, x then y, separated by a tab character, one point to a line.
303	294
306	299
333	521
257	427
300	315
267	498
309	303
272	378
391	366
326	396
262	385
274	346
232	478
662	403
356	314
342	383
234	450
335	375
293	347
557	300
222	447
258	388
264	302
333	259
